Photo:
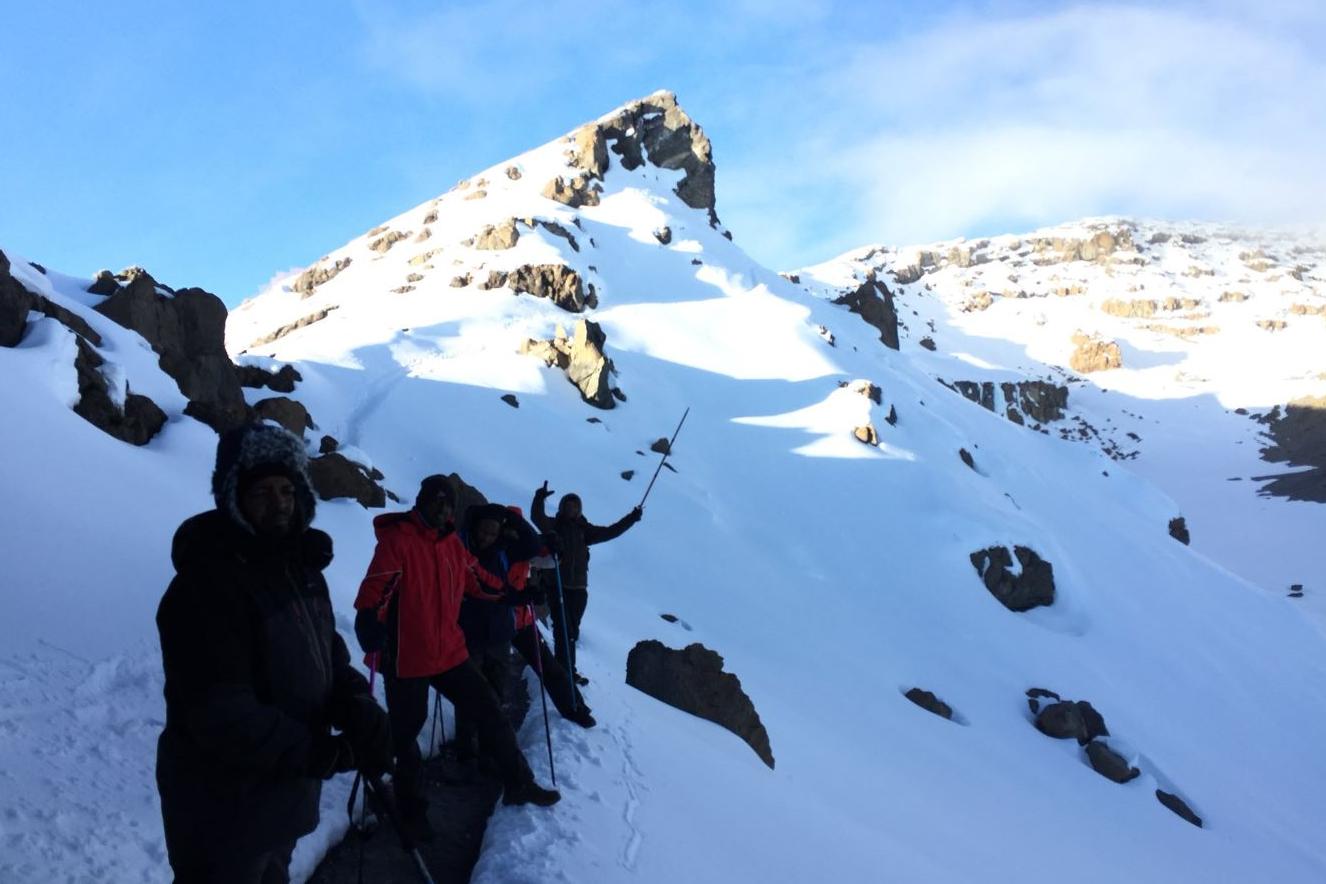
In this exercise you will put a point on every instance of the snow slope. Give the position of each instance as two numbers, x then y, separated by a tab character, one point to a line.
1245	329
831	575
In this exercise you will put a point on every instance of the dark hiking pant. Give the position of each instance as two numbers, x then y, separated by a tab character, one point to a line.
532	647
272	867
576	598
494	663
465	687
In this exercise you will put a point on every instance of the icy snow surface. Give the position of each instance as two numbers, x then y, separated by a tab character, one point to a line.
831	575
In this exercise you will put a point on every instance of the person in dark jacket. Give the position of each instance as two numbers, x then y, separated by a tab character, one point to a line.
256	675
575	535
409	607
497	538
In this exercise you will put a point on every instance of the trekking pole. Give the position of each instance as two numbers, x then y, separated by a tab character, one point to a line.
659	468
566	635
384	802
543	688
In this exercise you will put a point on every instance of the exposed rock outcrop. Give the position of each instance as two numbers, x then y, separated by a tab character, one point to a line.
335	475
582	358
16	301
136	423
556	282
285	411
316	275
498	237
1032	587
1178	529
1110	764
651	130
1040	401
576	191
1093	354
255	377
302	322
387	240
873	302
187	331
693	680
1178	806
930	703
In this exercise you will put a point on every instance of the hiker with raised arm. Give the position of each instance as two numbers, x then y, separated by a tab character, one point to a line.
409	609
575	535
256	675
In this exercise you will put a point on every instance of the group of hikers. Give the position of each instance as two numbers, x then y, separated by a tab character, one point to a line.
262	701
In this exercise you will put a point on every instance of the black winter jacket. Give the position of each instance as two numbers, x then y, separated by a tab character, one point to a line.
255	671
575	537
487	624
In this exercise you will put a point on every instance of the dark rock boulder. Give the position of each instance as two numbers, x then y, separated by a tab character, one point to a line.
334	475
136	423
965	456
187	330
693	680
104	284
556	282
1298	431
1036	695
1178	529
285	411
1017	592
510	399
873	302
281	381
929	702
328	444
1110	764
1177	804
1065	719
16	301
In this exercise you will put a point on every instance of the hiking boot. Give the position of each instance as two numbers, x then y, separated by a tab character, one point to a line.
581	680
531	793
582	717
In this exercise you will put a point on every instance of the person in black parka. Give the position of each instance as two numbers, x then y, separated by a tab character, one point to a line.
575	534
256	674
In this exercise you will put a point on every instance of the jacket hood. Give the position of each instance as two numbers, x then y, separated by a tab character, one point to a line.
255	446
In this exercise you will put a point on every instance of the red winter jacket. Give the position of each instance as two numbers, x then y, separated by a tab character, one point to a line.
427	571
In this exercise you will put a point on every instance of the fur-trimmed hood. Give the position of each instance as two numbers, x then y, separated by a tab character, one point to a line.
253	446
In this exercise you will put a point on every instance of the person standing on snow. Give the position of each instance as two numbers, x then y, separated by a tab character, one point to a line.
497	538
409	605
256	675
504	544
575	535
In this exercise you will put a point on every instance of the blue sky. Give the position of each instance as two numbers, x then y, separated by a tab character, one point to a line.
220	144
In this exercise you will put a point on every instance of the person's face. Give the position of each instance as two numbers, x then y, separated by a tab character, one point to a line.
569	508
437	511
485	533
268	505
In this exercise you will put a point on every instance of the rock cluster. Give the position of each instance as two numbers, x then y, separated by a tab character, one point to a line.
316	275
1079	720
1040	401
693	680
557	282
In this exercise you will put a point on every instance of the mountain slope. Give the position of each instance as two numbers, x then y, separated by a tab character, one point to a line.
1219	330
831	574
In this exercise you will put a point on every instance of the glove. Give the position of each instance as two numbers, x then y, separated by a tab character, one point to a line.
551	543
636	514
371	632
543	492
368	731
330	754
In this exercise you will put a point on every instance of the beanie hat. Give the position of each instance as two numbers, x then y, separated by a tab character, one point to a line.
432	487
255	451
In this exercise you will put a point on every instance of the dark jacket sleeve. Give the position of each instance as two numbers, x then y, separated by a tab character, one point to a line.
600	534
207	641
348	684
539	516
527	544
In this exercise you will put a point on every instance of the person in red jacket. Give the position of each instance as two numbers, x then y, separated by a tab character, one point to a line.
409	605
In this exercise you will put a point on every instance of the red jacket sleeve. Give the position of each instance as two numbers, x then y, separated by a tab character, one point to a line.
383	572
